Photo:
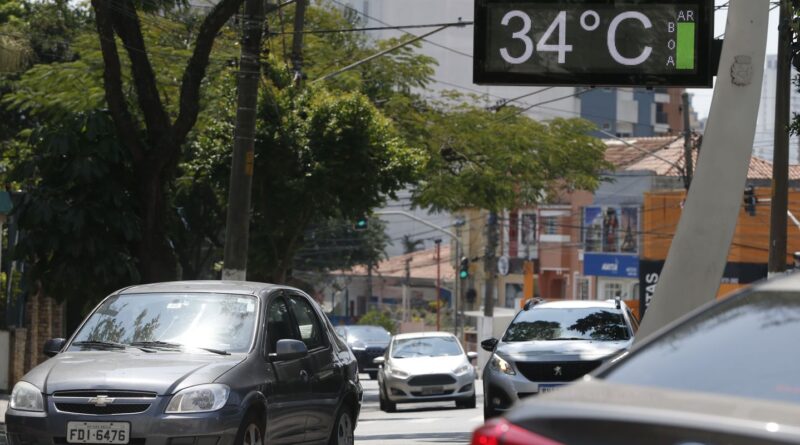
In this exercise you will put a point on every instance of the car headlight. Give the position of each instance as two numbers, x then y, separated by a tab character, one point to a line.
394	372
498	364
26	397
463	369
199	399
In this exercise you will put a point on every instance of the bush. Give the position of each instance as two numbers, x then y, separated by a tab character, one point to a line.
378	318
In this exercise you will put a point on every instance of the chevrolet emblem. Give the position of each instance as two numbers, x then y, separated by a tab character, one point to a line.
101	401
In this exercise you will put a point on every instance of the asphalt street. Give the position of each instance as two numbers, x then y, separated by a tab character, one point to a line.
419	423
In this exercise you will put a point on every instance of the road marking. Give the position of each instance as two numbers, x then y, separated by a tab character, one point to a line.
426	420
478	419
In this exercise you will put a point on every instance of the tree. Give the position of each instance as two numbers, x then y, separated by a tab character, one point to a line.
154	137
335	245
411	245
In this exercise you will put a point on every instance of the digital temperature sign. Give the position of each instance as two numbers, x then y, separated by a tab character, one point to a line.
594	42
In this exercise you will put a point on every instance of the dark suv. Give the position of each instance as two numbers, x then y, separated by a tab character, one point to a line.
367	342
549	344
200	363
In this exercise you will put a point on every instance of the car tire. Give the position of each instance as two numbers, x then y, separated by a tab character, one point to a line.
373	375
344	429
469	403
386	405
251	432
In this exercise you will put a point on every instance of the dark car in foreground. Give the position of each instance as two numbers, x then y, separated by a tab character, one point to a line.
366	342
549	344
728	373
193	363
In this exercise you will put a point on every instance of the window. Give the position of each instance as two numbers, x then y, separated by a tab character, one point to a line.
582	288
550	225
307	322
612	290
279	324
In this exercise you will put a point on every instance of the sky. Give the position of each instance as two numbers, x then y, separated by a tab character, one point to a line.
701	99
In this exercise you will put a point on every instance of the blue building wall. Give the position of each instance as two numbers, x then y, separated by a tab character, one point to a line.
646	100
600	106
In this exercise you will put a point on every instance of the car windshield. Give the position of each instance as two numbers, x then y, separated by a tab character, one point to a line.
178	320
368	334
568	324
741	347
426	347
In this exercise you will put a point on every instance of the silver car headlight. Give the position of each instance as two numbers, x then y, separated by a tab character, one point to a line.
463	369
26	397
498	364
394	372
199	399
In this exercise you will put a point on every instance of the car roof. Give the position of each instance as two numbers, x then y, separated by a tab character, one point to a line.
573	304
210	286
422	335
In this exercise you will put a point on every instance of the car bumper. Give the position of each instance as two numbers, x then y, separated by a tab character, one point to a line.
398	390
502	391
217	428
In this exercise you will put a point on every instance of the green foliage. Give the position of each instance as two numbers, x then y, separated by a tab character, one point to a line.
379	318
504	160
77	215
335	244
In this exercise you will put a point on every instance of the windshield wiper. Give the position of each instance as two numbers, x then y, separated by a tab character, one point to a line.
216	351
100	344
157	344
567	338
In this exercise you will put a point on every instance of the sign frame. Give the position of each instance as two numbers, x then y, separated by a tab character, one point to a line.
703	78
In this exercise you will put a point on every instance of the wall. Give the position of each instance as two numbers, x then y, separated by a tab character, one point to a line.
5	357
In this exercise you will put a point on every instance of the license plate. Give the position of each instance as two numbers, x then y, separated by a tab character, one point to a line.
432	390
98	432
548	388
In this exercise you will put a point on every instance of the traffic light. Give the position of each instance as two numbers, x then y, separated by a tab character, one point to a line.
750	200
361	223
463	271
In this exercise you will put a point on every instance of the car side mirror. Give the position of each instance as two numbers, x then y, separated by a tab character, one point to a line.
379	360
489	344
472	355
54	346
288	349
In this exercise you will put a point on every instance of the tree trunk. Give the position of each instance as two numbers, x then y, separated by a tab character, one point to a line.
157	260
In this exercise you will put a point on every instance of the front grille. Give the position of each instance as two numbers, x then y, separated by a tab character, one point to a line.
431	380
556	371
421	394
83	408
114	394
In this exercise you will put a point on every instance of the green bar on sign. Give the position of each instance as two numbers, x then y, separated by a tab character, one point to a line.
685	50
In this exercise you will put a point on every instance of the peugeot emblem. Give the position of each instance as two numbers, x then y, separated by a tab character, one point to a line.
557	370
101	401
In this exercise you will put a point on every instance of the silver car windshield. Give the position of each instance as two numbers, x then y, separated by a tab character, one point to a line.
174	320
425	347
568	324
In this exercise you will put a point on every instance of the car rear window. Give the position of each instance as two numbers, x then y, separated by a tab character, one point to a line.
744	346
600	324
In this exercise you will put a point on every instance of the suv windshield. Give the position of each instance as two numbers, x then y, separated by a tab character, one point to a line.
568	324
426	347
202	320
368	334
740	347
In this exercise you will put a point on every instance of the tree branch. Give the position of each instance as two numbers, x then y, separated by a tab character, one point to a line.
126	23
196	68
112	78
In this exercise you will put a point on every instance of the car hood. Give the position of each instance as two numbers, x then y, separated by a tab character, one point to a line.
603	401
429	365
560	350
163	372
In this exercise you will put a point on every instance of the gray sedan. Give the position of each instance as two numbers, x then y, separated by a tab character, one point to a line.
193	363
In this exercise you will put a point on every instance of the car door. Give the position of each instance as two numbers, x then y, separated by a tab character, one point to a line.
327	373
288	394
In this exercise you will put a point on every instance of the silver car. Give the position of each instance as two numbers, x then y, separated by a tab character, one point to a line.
193	363
426	367
549	344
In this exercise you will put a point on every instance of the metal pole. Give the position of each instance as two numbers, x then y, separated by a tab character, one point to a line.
237	227
490	265
780	165
297	43
438	283
687	142
699	250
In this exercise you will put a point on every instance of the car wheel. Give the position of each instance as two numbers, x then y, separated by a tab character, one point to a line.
343	431
373	375
386	405
251	432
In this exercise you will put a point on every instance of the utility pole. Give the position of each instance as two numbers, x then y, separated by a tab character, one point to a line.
297	41
406	285
780	166
687	143
438	282
490	265
237	227
369	285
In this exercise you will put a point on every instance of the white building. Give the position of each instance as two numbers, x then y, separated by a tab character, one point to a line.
765	127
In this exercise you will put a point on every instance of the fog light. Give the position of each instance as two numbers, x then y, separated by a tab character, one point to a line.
496	401
397	392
